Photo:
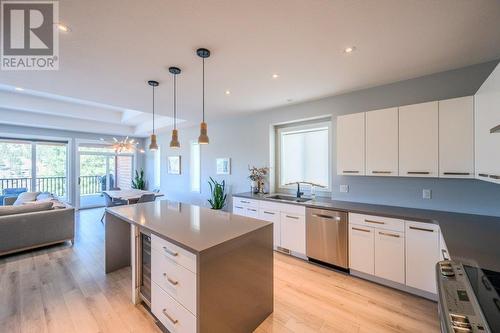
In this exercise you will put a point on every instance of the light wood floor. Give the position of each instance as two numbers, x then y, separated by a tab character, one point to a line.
64	289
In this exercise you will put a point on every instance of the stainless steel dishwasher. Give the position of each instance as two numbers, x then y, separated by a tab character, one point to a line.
327	237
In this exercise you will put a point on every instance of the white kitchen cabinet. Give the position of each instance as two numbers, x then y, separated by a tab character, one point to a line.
456	138
418	140
362	248
351	144
293	232
422	254
239	210
390	255
382	142
487	116
273	217
252	212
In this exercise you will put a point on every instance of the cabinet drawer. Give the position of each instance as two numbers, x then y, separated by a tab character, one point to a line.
176	280
269	205
246	202
292	209
174	253
252	212
379	222
171	314
239	209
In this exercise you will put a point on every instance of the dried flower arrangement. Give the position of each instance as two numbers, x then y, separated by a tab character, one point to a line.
258	176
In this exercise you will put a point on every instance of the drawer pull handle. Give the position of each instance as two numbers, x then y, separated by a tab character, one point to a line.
252	210
168	251
456	173
292	217
388	234
364	230
376	222
421	229
270	213
245	202
172	282
350	171
238	207
172	320
494	177
483	175
381	172
418	172
445	254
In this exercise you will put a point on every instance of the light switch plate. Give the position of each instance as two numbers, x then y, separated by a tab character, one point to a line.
427	194
344	188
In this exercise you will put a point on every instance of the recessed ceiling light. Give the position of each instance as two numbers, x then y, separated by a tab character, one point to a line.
62	27
228	92
350	49
275	76
19	89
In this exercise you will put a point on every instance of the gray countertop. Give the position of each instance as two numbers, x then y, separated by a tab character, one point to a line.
471	239
194	228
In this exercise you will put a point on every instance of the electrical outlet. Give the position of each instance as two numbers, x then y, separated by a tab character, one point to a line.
344	188
427	194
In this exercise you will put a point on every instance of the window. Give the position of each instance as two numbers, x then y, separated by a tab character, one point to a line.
303	153
195	167
157	169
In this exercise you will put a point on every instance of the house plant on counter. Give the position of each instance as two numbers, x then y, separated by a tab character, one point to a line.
218	193
138	182
257	177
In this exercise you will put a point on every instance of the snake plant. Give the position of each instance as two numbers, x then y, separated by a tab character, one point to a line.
217	190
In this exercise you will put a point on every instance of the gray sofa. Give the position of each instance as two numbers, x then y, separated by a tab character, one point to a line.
27	228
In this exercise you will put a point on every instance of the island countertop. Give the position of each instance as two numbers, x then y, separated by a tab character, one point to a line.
193	228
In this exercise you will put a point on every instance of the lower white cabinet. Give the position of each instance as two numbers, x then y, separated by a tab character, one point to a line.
171	314
390	255
293	232
273	217
422	254
361	249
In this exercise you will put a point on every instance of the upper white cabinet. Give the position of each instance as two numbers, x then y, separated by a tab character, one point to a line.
382	142
351	144
487	115
456	138
418	140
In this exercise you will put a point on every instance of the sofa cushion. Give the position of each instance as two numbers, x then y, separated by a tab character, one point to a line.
26	197
28	208
44	195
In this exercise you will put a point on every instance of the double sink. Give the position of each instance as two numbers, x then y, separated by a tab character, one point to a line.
287	198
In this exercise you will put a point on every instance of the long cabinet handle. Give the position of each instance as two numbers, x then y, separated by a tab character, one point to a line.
381	172
321	216
388	234
292	217
270	213
494	176
363	230
483	175
375	222
252	210
239	207
172	320
172	282
456	173
421	229
350	171
168	251
418	172
245	202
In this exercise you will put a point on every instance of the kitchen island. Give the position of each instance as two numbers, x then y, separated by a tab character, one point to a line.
209	271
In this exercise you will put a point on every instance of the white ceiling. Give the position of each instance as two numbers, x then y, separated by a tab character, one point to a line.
115	46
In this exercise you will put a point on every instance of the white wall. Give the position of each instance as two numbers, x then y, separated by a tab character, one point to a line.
247	139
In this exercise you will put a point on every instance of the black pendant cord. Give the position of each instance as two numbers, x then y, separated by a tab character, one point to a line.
175	103
153	110
203	90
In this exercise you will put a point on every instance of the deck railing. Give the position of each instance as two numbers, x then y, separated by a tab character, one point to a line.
55	185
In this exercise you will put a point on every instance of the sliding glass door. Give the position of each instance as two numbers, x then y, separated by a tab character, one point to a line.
33	166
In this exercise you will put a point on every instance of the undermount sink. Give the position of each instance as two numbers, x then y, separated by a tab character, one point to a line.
287	198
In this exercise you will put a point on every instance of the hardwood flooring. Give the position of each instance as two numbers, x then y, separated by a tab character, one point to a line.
63	288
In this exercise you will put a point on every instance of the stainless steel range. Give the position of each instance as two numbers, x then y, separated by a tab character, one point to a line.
468	298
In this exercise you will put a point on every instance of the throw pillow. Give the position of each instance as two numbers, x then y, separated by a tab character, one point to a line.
25	197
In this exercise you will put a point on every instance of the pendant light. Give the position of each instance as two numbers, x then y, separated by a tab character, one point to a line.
153	146
203	138
174	143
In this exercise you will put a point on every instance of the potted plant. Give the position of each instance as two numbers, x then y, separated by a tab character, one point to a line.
218	193
138	182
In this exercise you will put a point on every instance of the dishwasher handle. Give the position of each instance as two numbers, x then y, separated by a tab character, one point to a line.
328	217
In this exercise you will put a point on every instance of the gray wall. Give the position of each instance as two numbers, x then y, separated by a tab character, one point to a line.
247	139
34	133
